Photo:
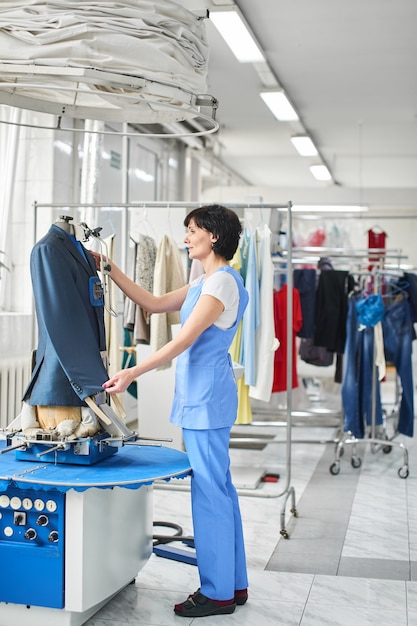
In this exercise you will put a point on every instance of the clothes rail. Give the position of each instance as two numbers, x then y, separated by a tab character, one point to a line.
288	491
377	443
304	413
381	255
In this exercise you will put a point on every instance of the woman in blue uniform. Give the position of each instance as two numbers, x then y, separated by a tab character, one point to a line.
205	400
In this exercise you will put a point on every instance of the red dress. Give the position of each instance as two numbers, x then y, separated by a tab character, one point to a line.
376	239
280	321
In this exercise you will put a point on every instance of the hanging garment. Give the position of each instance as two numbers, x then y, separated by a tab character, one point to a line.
315	355
359	404
111	322
305	281
331	309
358	368
411	288
376	240
280	318
70	316
168	276
244	408
141	271
251	316
397	329
129	359
265	340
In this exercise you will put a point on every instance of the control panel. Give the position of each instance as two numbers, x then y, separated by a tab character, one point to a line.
32	547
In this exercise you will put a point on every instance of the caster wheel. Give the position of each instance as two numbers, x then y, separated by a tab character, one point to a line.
284	534
356	462
334	468
387	449
294	512
403	472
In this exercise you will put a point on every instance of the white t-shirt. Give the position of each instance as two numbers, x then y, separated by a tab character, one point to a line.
222	286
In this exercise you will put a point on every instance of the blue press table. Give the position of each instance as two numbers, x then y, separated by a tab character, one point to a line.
73	536
131	467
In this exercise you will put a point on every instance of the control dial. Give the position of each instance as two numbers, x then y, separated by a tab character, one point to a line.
15	503
51	506
30	534
4	501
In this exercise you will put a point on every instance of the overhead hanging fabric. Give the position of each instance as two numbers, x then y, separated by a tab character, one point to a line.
156	40
161	39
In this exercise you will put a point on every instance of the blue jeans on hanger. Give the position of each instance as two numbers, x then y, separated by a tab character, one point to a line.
397	331
357	400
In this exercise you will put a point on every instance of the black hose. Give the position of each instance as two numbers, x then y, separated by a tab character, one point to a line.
177	536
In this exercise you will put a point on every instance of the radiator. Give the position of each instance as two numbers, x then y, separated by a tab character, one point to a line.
14	377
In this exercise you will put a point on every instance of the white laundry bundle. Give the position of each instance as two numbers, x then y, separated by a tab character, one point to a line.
157	39
138	61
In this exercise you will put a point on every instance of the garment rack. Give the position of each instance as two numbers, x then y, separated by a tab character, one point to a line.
288	491
386	444
363	255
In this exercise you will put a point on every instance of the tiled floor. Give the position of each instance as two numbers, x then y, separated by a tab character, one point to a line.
350	560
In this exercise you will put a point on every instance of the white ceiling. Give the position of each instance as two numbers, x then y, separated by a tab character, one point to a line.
350	69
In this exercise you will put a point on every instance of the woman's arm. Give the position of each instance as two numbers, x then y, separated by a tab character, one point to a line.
205	313
171	301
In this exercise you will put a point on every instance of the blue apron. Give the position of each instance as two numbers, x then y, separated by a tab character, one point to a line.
205	386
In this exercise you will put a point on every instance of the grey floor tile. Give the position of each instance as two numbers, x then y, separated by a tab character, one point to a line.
374	568
304	563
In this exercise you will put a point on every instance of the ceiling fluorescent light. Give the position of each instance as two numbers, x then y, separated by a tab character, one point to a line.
320	172
280	106
304	145
237	35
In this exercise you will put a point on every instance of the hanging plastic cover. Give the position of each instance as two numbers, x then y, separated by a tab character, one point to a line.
101	59
370	310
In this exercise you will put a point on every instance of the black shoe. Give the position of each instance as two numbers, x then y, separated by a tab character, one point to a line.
241	597
197	605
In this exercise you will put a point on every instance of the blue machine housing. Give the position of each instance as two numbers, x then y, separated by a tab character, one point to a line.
32	545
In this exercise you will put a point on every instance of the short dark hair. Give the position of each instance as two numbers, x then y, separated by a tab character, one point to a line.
223	223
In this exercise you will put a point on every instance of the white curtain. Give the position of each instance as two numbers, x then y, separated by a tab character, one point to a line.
9	137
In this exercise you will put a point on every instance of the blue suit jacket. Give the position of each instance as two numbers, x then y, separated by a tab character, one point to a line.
71	332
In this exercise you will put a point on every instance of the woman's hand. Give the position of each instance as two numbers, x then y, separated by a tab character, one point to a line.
119	382
98	258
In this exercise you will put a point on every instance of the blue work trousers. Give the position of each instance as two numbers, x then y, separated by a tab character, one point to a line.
218	533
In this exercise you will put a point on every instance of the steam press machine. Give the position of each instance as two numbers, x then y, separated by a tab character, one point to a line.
76	520
106	430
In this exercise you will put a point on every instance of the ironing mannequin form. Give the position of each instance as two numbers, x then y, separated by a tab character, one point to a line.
71	338
205	400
